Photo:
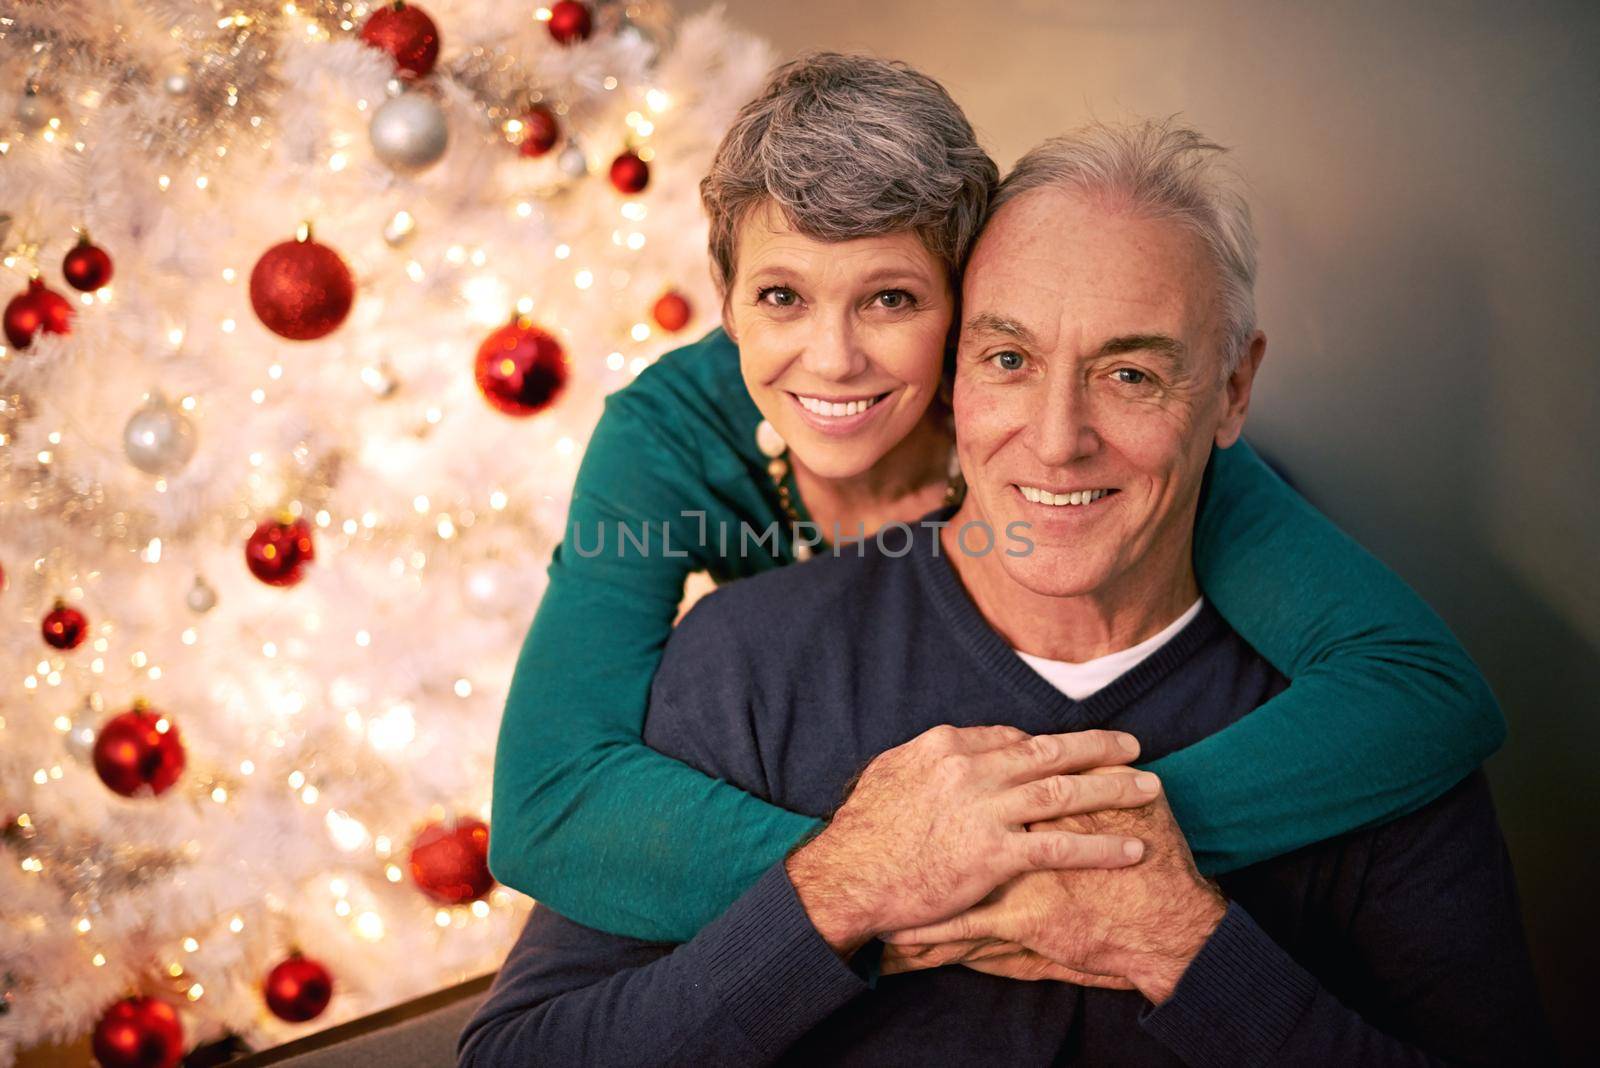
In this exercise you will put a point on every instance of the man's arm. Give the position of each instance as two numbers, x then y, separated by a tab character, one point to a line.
1443	966
741	992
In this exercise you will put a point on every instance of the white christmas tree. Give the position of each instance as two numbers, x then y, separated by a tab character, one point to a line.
208	762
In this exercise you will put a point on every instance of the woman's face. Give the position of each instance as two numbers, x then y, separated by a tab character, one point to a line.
841	343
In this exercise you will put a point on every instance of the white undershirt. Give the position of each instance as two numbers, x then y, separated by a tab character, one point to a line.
1078	681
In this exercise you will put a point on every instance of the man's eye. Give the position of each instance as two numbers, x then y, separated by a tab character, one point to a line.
1007	361
778	297
895	299
1131	375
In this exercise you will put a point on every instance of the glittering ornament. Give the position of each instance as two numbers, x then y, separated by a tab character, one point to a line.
629	173
398	230
87	266
279	551
671	311
540	131
570	21
521	369
450	863
407	33
159	438
572	161
298	989
409	133
34	309
300	289
201	598
35	109
81	732
177	83
64	626
139	750
139	1033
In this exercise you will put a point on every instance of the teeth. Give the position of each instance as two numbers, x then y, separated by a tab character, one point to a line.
834	409
1039	496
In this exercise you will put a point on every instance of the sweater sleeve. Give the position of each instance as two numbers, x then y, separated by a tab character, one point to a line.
748	986
587	818
1385	710
1442	974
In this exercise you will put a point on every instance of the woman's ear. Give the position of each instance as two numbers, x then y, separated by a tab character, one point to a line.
727	321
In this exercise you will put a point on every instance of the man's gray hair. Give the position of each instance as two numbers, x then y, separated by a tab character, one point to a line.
850	146
1168	171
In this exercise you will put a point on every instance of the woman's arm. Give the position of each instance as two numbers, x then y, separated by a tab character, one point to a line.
1385	710
587	818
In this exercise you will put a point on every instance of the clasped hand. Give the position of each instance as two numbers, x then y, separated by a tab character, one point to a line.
1029	856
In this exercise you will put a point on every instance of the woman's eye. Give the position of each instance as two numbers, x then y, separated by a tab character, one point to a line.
895	299
1007	361
778	297
1131	375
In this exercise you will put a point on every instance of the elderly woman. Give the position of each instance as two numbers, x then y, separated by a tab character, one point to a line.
843	203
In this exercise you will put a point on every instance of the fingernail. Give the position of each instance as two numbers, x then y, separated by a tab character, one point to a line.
1147	782
1133	849
1128	743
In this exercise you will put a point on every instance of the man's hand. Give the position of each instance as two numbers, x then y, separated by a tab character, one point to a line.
1143	924
1006	959
935	824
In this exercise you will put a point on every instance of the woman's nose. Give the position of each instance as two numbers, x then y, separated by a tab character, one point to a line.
833	351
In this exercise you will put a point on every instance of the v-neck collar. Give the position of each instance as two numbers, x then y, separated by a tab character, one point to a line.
986	645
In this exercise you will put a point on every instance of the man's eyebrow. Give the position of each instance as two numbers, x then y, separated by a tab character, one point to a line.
990	323
1157	344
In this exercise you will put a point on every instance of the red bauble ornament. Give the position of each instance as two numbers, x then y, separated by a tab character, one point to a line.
407	34
671	311
569	21
139	1033
298	989
521	369
540	131
87	266
301	290
629	173
139	749
279	551
34	309
64	627
451	863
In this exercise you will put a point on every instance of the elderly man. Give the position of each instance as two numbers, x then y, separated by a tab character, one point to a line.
1108	346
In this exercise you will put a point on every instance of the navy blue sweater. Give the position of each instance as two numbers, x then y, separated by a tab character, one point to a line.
1399	944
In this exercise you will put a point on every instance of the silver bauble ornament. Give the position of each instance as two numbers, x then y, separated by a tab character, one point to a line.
159	439
201	598
409	133
81	732
641	36
572	161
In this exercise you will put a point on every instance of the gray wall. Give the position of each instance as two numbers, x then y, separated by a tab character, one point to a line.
1423	179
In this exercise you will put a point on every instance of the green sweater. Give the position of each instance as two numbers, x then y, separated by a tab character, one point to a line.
1385	711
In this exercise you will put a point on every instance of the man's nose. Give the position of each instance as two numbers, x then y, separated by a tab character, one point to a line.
833	351
1063	424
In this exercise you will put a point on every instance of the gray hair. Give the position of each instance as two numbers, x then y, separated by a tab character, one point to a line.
850	146
1170	172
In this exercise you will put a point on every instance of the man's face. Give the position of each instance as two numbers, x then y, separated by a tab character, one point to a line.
1090	371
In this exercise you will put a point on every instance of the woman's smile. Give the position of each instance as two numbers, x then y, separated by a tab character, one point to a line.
839	415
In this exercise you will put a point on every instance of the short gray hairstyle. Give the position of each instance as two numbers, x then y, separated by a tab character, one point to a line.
850	146
1167	171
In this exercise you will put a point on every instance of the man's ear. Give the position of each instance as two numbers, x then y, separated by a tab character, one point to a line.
1238	389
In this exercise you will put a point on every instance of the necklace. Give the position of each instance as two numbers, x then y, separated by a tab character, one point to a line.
776	450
